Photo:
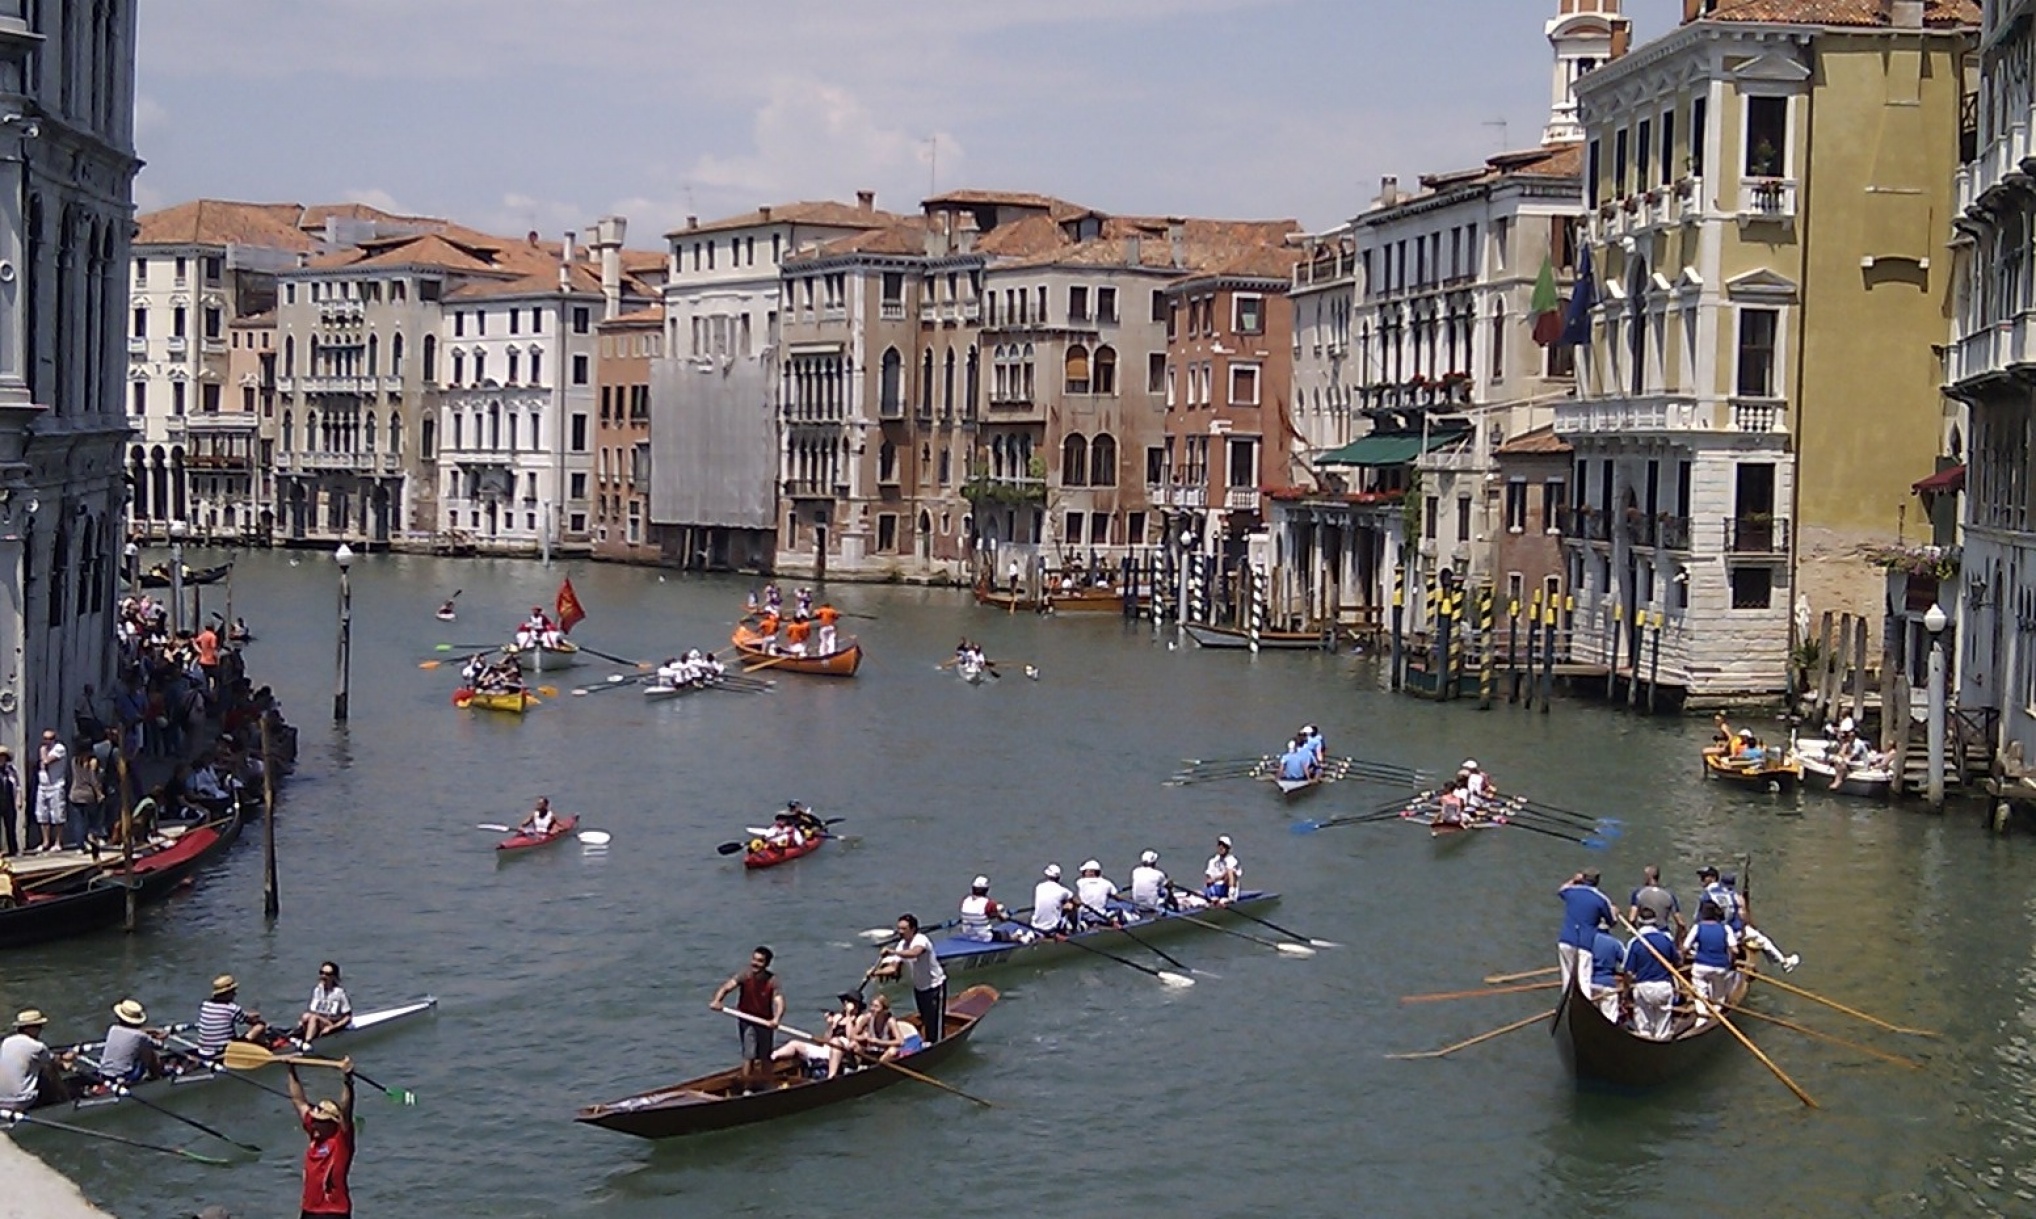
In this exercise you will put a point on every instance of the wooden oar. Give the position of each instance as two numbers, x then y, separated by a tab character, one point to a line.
1717	1013
1897	1059
1589	841
213	1067
247	1056
1468	1042
609	656
900	1068
50	878
15	1115
1157	951
499	829
1502	979
775	660
1166	976
1440	996
1837	1006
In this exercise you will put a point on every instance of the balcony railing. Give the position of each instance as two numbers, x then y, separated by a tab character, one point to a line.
1757	416
177	344
137	347
1191	497
891	311
1241	499
1767	200
1673	533
1585	524
1756	536
1638	529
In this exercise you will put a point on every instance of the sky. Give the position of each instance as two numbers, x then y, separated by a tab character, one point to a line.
512	115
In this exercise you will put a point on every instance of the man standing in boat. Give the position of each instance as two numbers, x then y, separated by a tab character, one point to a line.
915	958
1585	911
756	995
1668	913
1650	963
826	616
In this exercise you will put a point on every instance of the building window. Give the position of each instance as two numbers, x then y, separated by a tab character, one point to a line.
1593	168
1428	513
579	370
1077	304
1551	505
1077	369
1621	143
1106	304
1752	587
1103	373
579	432
1757	329
1247	314
1767	136
578	485
1155	373
140	398
1498	344
1698	107
176	397
1516	506
1244	385
1103	461
580	317
1463	520
887	533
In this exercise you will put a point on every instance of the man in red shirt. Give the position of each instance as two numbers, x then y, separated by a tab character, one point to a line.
756	995
328	1158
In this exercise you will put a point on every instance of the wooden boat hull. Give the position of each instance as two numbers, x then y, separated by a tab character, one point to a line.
840	663
203	575
1784	774
529	842
543	659
513	702
102	901
1080	601
1594	1049
958	955
1230	637
771	857
712	1102
1867	782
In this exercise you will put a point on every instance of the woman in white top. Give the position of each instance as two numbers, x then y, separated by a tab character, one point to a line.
330	1010
1221	877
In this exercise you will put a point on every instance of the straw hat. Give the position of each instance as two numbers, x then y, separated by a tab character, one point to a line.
130	1013
326	1111
30	1019
222	984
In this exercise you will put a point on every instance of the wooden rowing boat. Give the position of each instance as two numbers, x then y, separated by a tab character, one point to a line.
1781	775
718	1101
100	899
770	856
1595	1049
1088	600
957	954
842	662
185	1066
522	841
1231	637
515	702
159	576
541	658
1819	772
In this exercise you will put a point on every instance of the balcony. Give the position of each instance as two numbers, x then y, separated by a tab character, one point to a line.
1637	529
350	463
813	488
1673	532
177	344
1650	413
1995	171
1585	525
214	347
1767	201
1191	497
1241	499
1759	417
972	312
1756	536
137	347
891	311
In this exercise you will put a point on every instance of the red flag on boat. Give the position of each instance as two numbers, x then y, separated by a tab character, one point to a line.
569	609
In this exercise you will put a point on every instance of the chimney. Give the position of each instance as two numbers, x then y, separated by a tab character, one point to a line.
1134	250
965	233
1389	190
1177	241
866	201
692	222
1902	14
565	260
530	238
1622	39
609	232
1693	9
765	212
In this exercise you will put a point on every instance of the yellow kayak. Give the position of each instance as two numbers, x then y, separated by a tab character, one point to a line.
514	701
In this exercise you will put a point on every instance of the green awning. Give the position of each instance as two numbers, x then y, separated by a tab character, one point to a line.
1393	450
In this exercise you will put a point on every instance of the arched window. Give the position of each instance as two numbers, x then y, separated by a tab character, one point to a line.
289	437
431	357
459	430
1077	368
368	433
289	355
947	386
1103	376
1074	461
926	383
891	393
1025	376
459	367
996	457
427	435
1636	327
374	356
395	434
494	425
1103	460
887	463
311	444
396	355
972	384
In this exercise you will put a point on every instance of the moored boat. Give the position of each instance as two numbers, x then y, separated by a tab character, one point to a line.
1087	600
100	898
515	702
543	658
959	954
719	1101
522	841
1595	1049
1821	773
842	662
1231	637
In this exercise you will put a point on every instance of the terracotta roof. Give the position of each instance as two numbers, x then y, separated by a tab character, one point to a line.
314	217
1059	209
902	237
652	317
1542	441
225	222
265	320
1937	14
422	250
584	280
1547	161
820	212
1212	245
638	261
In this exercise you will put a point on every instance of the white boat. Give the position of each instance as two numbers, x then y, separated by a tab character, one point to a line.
1821	773
543	659
971	672
657	690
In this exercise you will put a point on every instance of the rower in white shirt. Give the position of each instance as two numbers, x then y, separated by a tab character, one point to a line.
1095	891
1150	888
1050	902
1222	875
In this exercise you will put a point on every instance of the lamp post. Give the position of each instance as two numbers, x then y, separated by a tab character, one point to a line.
1934	622
177	531
344	557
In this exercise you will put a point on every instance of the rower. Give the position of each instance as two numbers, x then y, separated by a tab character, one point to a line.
672	673
1094	893
1713	947
767	630
1477	785
1052	903
30	1071
1650	895
1652	976
783	833
1150	888
1449	806
980	914
773	599
803	603
132	1050
1311	740
1297	764
541	821
445	611
914	958
329	1010
1607	954
1724	890
222	1019
804	820
1222	875
826	616
796	636
1585	912
757	996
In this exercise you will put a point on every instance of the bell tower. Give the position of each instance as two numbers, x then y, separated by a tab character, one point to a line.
1584	34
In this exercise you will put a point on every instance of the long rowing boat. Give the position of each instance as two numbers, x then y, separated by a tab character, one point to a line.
958	954
1231	637
100	899
1086	600
1595	1049
719	1101
842	662
85	1092
656	691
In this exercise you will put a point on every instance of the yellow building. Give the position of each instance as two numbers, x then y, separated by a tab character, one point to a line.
1769	190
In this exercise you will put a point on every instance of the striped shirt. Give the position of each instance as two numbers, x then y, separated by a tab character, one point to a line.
217	1023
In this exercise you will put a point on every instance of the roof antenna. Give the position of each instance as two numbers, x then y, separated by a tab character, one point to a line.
1503	139
932	165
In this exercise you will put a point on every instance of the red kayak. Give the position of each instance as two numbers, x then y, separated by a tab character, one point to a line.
521	841
772	856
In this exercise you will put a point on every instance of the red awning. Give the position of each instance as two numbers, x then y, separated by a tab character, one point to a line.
1947	481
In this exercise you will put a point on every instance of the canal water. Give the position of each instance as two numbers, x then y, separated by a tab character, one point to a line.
568	977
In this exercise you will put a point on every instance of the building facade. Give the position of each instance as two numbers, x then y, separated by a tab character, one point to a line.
1753	398
630	344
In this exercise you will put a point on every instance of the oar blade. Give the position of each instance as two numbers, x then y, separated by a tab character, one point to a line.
1295	950
730	848
1305	827
1315	943
1594	843
1176	981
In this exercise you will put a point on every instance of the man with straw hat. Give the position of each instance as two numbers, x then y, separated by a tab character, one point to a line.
220	1019
27	1066
328	1157
131	1049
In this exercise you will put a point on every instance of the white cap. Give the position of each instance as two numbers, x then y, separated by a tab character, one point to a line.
1052	871
1470	763
1222	840
1092	866
1311	730
1846	724
1149	858
980	882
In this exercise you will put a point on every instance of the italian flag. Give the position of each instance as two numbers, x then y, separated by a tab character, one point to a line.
1546	306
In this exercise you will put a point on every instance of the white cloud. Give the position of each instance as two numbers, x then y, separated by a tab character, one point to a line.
374	196
150	116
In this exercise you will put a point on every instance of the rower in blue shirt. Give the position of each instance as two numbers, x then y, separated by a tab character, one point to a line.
1585	912
1608	953
1311	740
1297	763
1713	947
1650	962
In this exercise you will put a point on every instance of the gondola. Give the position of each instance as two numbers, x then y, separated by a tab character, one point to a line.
159	576
957	954
1086	600
100	900
842	662
1279	641
717	1101
1595	1049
